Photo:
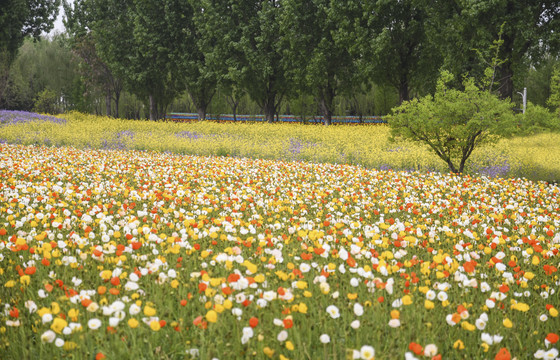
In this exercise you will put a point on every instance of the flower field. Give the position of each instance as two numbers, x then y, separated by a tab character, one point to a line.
532	157
108	253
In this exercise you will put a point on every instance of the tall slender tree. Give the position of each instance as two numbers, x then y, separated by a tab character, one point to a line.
252	40
196	70
320	37
18	19
397	44
96	74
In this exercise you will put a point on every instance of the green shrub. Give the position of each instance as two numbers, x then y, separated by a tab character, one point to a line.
537	119
453	122
46	102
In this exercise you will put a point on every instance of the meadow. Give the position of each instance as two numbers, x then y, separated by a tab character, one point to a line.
127	240
532	157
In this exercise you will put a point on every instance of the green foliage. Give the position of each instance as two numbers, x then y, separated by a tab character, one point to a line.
538	80
319	34
537	119
198	69
398	47
554	99
250	43
46	63
18	19
453	122
46	102
459	27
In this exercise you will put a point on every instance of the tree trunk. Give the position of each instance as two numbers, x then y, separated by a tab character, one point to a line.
269	111
201	100
326	104
506	81
201	113
234	108
403	90
108	103
117	98
452	167
326	111
153	108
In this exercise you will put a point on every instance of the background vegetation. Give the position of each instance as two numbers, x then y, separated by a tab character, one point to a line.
140	59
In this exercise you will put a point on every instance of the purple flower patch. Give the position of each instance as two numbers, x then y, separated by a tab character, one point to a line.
19	117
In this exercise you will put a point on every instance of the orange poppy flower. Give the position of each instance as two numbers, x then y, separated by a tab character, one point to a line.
503	354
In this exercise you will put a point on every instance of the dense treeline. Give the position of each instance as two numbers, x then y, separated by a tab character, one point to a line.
142	58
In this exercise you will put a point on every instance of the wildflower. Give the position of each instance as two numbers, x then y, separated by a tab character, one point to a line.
407	300
132	323
521	307
155	325
212	316
442	296
358	309
134	309
459	345
503	354
551	354
58	324
268	352
46	318
333	311
325	339
149	311
551	338
409	356
367	352
94	324
394	323
430	350
282	336
247	334
416	348
69	345
48	336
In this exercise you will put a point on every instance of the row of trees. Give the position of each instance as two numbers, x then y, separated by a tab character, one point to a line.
277	52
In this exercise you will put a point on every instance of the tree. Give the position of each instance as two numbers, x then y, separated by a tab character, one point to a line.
397	43
460	27
250	43
97	75
197	71
150	71
320	35
43	64
18	19
131	38
453	122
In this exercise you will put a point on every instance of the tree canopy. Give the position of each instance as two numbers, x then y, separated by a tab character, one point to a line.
318	54
18	19
453	122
